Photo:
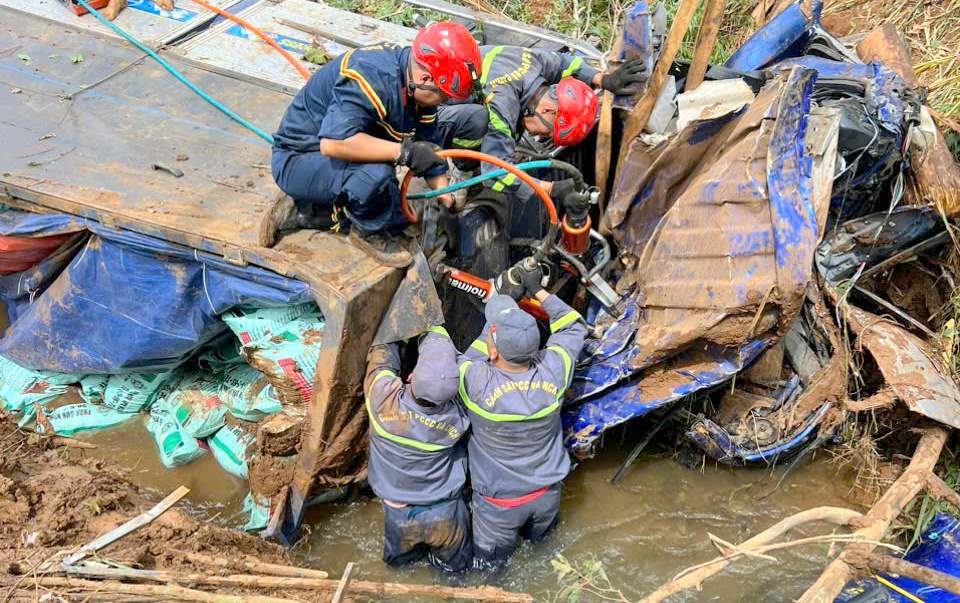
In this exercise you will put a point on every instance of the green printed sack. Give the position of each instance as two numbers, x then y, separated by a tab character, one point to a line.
248	394
135	391
289	359
70	419
258	510
233	448
196	406
21	387
254	324
176	448
93	388
221	356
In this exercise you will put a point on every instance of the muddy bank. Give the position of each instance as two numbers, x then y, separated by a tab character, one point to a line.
55	499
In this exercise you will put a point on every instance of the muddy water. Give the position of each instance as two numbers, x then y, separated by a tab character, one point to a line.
644	530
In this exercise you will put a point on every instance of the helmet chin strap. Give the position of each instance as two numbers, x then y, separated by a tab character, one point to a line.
412	86
530	110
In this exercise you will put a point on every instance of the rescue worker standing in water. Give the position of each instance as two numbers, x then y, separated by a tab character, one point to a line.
418	465
512	391
541	92
358	117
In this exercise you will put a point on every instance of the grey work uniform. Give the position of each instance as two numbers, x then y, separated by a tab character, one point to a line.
417	462
511	77
517	458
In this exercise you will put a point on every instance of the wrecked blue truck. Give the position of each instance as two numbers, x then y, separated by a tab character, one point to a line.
709	271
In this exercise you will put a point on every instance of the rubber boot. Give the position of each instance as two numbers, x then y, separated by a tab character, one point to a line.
280	217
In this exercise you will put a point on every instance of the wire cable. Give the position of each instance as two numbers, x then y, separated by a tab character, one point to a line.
173	71
525	166
260	34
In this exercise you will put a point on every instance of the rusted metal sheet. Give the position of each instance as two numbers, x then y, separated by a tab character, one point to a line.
909	367
229	47
142	18
81	139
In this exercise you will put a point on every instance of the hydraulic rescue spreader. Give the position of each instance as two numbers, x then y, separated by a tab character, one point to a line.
570	240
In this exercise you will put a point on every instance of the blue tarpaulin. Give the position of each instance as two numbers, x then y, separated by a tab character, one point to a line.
114	301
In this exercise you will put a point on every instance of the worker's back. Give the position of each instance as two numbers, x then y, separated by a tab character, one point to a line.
517	444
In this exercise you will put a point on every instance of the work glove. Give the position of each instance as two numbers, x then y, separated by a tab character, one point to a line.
419	156
560	190
625	79
528	272
508	283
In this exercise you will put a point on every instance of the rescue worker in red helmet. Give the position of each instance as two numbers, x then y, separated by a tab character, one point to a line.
355	120
541	92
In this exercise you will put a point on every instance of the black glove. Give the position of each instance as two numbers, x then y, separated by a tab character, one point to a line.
419	156
625	79
508	283
527	271
560	190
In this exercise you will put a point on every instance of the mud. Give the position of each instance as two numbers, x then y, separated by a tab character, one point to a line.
56	499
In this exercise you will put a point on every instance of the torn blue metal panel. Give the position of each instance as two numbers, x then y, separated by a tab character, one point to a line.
729	225
685	374
783	36
938	549
789	185
124	301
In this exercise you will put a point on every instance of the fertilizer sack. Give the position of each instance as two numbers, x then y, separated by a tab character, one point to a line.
135	391
69	419
289	359
176	448
196	406
93	388
233	448
254	324
221	356
248	394
21	387
258	510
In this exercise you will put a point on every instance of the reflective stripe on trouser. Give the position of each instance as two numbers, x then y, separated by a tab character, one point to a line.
440	531
368	192
496	529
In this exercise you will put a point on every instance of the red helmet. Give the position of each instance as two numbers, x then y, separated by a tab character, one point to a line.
576	111
451	56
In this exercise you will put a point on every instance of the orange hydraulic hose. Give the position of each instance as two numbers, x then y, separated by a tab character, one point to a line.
270	41
476	155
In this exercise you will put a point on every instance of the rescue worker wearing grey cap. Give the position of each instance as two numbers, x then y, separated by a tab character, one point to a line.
418	465
513	390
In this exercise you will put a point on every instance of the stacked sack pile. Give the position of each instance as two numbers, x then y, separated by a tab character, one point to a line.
213	402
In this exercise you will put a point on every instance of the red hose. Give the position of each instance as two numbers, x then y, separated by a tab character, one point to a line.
270	41
476	155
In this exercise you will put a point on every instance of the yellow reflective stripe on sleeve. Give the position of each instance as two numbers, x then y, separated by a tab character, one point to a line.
439	331
480	346
383	433
365	86
567	364
497	122
504	182
428	119
572	68
568	318
389	129
499	418
466	143
487	60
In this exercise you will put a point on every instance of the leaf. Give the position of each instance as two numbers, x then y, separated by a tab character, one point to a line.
77	58
24	57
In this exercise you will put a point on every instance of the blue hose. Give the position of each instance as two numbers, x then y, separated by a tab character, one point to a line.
525	166
170	68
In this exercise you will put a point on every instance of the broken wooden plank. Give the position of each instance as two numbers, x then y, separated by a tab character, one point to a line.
880	516
131	525
706	40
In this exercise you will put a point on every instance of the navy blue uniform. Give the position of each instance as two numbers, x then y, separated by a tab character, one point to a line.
511	76
418	465
361	91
